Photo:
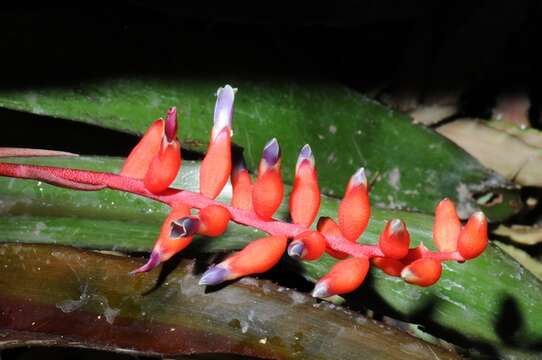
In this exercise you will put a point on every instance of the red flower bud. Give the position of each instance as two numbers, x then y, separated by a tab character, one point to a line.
328	227
214	220
309	245
164	167
268	190
395	239
257	257
344	277
141	156
305	197
156	159
447	226
422	272
473	238
390	266
354	209
166	245
216	166
242	187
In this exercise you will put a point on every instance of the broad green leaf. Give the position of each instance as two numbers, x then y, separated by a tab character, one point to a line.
412	167
91	300
471	305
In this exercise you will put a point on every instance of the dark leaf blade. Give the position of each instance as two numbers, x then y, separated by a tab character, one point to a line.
413	167
90	299
468	299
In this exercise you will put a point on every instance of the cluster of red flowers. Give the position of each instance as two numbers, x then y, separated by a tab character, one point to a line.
154	163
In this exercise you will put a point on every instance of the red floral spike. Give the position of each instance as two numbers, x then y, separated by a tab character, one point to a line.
422	272
473	238
329	228
141	156
242	187
309	245
268	190
156	160
305	197
214	220
168	243
354	209
344	277
395	239
257	257
164	167
447	226
391	267
216	166
157	157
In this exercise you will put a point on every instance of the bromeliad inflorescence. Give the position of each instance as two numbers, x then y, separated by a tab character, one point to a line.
154	163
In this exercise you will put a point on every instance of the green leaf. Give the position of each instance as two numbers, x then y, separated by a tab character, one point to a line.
413	167
91	300
471	305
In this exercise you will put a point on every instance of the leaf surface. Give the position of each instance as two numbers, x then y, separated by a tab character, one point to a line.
412	167
469	304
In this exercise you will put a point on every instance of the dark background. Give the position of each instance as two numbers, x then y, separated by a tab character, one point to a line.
403	53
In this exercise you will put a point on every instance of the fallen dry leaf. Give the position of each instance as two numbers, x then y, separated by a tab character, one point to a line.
508	155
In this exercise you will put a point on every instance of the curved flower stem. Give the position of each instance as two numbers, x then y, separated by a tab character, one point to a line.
93	180
24	152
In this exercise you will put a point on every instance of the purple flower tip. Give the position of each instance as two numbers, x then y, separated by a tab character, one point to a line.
305	154
321	290
359	178
153	262
214	276
271	152
184	227
223	115
171	124
296	249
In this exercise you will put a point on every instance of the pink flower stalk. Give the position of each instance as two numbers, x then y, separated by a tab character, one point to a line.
155	161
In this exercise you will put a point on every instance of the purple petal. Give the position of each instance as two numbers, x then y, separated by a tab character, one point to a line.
305	154
223	115
214	276
184	227
153	262
271	152
171	124
296	249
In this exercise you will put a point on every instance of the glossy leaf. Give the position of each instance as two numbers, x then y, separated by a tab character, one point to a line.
344	129
466	305
91	300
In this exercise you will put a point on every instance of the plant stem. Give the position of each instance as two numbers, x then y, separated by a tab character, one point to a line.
93	180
